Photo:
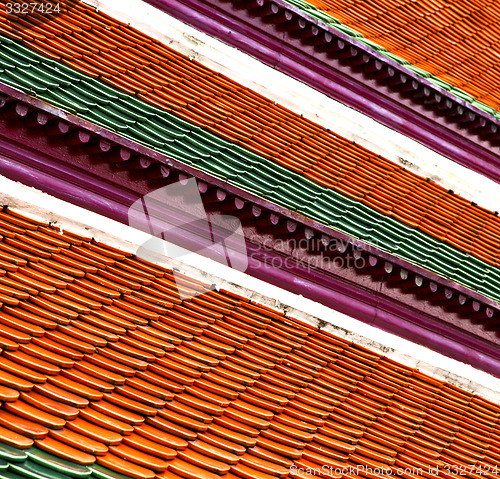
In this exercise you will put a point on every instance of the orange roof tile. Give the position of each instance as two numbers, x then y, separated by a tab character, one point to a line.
240	115
235	113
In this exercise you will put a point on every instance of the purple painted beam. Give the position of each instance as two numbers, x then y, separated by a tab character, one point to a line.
247	33
395	318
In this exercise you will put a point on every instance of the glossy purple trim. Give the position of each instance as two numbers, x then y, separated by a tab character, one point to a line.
236	28
391	316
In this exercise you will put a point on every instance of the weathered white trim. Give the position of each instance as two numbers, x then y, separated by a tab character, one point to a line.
41	206
304	100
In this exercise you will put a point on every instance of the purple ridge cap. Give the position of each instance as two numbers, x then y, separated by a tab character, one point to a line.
249	197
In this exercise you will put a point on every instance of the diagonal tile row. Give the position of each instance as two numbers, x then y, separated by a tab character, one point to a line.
106	372
128	61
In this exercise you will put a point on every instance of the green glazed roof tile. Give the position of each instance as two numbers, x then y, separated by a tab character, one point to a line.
468	278
355	228
68	101
324	17
275	169
232	158
47	80
32	470
247	155
321	215
383	235
489	292
65	75
283	197
426	240
24	80
121	117
52	74
223	170
413	256
349	31
10	475
336	198
336	211
124	109
212	140
177	151
8	80
441	83
172	121
300	4
100	115
201	144
442	267
482	106
9	62
361	216
102	89
11	454
91	95
419	71
298	187
396	58
151	129
461	94
102	96
493	275
23	52
133	105
254	179
451	256
268	177
373	45
100	472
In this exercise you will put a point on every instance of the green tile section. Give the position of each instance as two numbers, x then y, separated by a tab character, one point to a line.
37	464
132	118
34	463
333	22
57	466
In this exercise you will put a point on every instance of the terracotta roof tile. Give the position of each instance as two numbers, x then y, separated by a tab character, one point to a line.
247	393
